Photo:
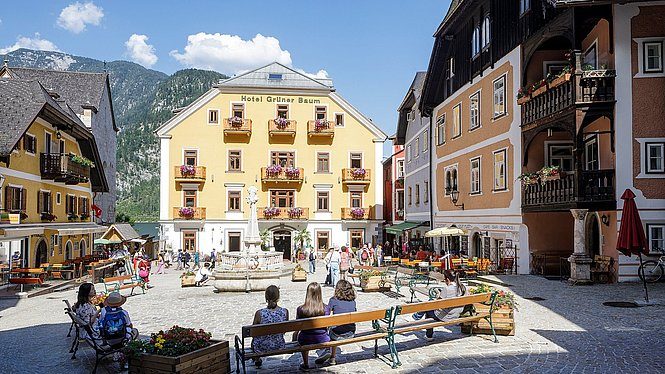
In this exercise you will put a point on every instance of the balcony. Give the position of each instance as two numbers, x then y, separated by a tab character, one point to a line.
561	96
193	213
191	174
280	174
356	213
356	176
320	128
276	213
65	167
237	126
286	127
593	189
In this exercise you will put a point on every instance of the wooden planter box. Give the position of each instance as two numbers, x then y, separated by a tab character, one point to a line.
211	359
560	80
539	91
299	276
550	177
523	99
374	283
188	281
502	319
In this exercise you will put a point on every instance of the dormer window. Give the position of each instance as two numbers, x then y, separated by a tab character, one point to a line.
275	77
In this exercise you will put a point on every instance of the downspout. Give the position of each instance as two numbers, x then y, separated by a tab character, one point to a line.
432	185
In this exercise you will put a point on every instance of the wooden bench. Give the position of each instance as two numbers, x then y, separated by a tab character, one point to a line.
27	280
374	316
430	292
402	275
429	323
120	283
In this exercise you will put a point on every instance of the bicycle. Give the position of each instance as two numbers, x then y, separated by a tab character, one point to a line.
652	270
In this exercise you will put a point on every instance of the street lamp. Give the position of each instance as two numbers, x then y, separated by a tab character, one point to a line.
454	197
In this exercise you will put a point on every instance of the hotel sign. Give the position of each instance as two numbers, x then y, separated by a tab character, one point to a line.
278	99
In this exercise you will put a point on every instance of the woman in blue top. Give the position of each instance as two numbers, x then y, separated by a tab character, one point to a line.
344	301
313	307
272	314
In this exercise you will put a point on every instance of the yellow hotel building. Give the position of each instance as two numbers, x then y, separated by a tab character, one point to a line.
47	177
315	159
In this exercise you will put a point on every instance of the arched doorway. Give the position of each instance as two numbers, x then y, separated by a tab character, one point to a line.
593	236
282	243
41	255
68	250
477	246
83	246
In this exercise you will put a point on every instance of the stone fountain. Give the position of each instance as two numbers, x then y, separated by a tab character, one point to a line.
251	269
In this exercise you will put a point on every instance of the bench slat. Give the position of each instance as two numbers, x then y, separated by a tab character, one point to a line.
420	325
295	347
116	279
311	323
452	302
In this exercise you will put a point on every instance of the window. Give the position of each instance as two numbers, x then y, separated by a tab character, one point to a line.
234	241
30	143
408	153
426	192
591	154
400	169
323	201
591	56
84	206
475	175
323	162
356	199
441	129
425	140
451	180
499	97
70	205
47	142
213	116
560	155
323	240
283	159
235	158
190	157
320	112
189	198
234	201
451	66
656	238
275	77
525	5
44	202
655	157
15	199
400	199
58	198
356	160
475	42
238	110
282	198
417	194
68	250
653	57
486	32
500	170
62	147
189	241
339	119
282	111
474	111
357	238
410	115
410	196
457	120
417	147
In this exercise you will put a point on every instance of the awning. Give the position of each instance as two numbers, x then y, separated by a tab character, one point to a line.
105	241
445	231
76	229
400	227
20	232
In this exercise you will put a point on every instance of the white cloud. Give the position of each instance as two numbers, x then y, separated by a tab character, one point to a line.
76	16
31	43
321	74
139	51
230	53
60	62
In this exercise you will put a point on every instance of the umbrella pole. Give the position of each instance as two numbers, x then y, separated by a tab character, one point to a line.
644	281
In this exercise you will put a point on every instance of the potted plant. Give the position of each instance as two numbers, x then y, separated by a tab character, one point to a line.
523	95
528	178
281	123
503	318
72	217
265	239
295	213
292	173
187	212
187	279
48	217
85	216
373	280
561	78
357	213
539	87
273	171
235	121
358	173
549	173
320	125
81	160
299	274
270	212
178	350
187	170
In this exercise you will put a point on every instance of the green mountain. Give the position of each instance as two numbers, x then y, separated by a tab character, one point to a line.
142	100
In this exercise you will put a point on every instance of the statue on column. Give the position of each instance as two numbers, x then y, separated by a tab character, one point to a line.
252	237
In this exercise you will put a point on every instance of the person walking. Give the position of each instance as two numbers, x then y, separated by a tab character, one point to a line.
326	260
179	259
186	258
364	256
197	259
213	259
335	259
379	255
311	257
160	263
345	262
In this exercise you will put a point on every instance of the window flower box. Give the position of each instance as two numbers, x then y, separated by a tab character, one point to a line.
270	212
292	173
281	123
186	212
357	213
187	170
273	170
320	125
529	178
48	217
550	173
236	121
295	213
358	173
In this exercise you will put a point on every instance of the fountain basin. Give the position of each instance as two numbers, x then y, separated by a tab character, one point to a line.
237	280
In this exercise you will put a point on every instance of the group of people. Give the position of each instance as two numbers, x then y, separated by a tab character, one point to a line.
339	261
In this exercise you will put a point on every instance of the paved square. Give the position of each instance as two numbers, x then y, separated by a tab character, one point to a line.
570	331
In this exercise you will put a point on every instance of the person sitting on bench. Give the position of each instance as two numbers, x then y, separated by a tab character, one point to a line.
114	323
453	288
344	301
271	314
85	310
313	307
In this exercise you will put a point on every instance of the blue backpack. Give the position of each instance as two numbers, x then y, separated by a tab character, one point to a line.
114	324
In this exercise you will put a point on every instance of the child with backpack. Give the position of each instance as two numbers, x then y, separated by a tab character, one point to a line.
364	256
115	326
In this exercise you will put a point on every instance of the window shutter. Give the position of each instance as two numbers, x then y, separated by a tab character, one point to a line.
23	195
8	198
39	202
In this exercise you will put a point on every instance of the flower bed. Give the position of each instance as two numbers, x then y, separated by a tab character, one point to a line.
270	212
502	314
373	281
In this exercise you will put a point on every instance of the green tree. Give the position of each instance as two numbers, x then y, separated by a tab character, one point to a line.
265	239
302	237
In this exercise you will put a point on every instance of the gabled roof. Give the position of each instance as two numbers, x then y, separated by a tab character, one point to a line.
81	90
124	230
411	99
290	79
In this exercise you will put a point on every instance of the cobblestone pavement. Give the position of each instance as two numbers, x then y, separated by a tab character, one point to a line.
570	331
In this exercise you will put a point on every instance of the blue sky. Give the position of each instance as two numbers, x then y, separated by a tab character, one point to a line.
370	48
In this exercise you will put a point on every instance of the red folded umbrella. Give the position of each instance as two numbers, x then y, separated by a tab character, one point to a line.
631	238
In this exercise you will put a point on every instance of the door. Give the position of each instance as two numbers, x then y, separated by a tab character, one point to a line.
282	241
234	242
189	241
593	237
322	241
477	246
41	256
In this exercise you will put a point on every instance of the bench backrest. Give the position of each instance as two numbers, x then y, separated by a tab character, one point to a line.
314	323
436	275
406	271
117	279
452	302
